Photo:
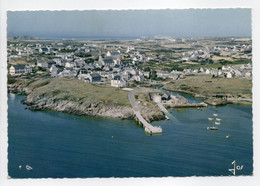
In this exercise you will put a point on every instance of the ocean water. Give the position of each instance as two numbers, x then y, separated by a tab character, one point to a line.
58	145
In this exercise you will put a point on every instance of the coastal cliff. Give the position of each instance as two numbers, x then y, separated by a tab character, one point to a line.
76	97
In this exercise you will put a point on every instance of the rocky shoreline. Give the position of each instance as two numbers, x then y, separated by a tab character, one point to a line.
36	101
215	101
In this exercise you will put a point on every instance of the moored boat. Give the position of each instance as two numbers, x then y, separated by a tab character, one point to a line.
228	136
210	119
212	128
28	167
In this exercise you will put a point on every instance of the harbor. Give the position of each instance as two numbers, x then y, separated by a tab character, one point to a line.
81	146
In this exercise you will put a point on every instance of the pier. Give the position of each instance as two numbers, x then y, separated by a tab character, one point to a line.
187	105
136	109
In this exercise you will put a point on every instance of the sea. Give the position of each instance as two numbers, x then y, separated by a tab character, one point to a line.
61	145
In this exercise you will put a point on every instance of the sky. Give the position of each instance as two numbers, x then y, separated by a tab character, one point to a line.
130	23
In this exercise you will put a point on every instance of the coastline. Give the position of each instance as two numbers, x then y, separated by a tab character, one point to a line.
37	99
216	102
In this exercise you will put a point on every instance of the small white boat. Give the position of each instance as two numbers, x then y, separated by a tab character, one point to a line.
215	114
166	117
29	167
217	123
218	119
228	136
212	128
210	119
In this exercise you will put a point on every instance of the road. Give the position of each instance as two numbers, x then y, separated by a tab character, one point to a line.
147	126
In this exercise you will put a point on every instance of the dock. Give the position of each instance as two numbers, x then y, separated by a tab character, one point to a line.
168	115
148	128
187	105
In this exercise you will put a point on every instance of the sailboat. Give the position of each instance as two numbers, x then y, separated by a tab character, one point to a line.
212	128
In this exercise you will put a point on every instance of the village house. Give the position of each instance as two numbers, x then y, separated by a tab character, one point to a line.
237	73
108	62
117	68
226	68
207	71
70	65
93	78
202	70
248	74
45	64
82	74
114	54
138	78
59	62
246	66
118	81
230	75
79	62
44	50
214	71
68	73
54	71
147	74
162	74
88	66
187	71
42	64
19	70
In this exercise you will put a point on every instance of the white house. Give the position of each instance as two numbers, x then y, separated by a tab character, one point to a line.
162	74
157	98
248	74
16	70
147	74
138	78
82	74
207	71
70	65
19	69
67	73
118	81
42	64
230	75
54	71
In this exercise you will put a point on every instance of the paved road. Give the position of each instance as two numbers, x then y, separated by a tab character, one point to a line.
147	126
132	100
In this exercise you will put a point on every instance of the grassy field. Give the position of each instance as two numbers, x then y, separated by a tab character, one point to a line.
207	86
19	62
74	89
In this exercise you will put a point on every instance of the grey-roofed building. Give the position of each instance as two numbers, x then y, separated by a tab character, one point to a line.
16	70
118	81
108	61
94	77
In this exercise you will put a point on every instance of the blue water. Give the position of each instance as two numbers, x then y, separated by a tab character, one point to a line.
58	145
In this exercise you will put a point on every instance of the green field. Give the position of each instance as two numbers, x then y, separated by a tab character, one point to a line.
207	86
73	89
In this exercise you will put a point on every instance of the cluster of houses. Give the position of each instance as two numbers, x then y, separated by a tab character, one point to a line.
94	63
239	51
226	72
